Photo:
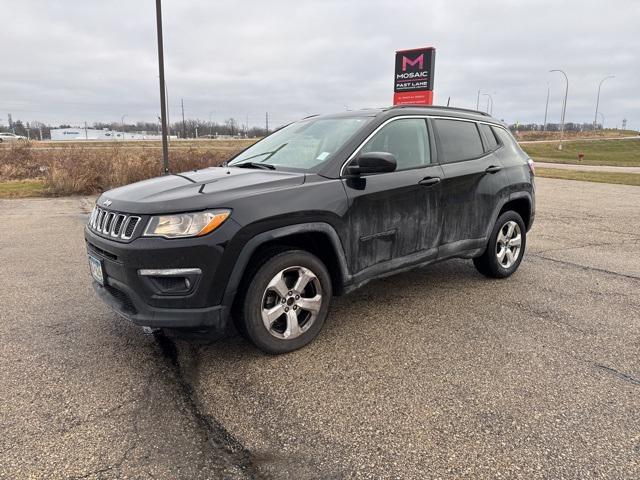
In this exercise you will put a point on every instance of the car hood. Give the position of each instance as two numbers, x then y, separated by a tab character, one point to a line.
215	187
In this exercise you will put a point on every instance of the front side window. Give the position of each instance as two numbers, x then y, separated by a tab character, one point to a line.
407	139
303	145
459	140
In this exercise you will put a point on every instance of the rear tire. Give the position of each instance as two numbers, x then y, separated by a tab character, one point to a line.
505	249
286	302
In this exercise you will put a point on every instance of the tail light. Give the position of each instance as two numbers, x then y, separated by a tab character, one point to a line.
532	167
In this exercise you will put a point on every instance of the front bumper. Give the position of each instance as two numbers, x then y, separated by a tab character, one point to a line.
129	305
142	300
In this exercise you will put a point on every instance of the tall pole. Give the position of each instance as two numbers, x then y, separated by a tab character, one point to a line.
184	125
122	125
595	118
564	106
210	125
266	122
163	90
546	109
489	98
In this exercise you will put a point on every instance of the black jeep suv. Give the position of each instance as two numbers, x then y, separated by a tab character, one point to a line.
316	209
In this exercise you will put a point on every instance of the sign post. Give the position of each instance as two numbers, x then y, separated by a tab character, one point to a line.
413	80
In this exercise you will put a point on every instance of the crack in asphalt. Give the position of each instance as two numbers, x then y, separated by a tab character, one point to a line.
621	375
218	438
584	267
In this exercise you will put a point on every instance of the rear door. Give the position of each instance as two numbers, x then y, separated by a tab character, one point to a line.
395	214
473	179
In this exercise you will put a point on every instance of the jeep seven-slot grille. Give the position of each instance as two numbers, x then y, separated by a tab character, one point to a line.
113	224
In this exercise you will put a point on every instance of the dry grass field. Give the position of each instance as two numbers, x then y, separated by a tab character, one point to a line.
86	168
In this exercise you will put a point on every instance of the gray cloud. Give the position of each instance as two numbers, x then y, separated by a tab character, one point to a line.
75	60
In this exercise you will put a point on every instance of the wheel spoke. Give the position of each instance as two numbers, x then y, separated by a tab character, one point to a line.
510	257
278	285
293	327
311	304
501	237
270	315
304	277
502	253
515	241
510	229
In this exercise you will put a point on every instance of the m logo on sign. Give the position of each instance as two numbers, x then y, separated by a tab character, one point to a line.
408	62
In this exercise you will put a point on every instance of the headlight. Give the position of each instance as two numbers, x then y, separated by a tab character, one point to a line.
185	224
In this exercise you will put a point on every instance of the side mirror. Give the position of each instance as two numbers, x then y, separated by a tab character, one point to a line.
372	162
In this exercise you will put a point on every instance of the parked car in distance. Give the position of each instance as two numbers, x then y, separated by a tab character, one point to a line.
10	137
317	209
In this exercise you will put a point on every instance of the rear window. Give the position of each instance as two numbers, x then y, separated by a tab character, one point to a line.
489	137
459	140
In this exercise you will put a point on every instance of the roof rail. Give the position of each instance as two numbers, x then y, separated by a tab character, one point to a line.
442	107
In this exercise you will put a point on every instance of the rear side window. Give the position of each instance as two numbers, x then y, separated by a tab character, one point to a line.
459	140
508	141
407	139
489	137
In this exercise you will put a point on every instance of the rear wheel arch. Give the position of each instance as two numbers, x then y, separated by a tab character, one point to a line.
522	206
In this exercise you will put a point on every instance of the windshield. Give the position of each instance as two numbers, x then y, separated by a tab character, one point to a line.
302	145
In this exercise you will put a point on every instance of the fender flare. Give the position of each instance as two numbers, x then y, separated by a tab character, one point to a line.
252	245
505	200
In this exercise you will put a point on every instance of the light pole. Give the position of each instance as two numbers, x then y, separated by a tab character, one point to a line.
546	109
489	98
122	123
595	118
210	124
163	90
564	106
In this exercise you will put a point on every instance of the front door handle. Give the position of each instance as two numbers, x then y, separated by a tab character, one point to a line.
428	181
493	169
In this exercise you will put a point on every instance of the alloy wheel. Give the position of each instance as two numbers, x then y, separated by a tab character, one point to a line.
291	302
508	244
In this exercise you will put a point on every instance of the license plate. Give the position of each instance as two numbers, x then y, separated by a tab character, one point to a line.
97	273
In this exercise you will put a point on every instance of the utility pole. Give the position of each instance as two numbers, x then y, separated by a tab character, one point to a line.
546	109
86	135
564	106
210	125
122	122
163	90
184	125
266	122
595	118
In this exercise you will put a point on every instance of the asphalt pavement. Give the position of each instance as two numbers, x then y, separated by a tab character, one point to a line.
435	373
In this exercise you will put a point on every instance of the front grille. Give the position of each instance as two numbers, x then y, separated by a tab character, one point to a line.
113	224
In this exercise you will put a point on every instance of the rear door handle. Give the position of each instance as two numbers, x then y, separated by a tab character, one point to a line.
428	181
493	169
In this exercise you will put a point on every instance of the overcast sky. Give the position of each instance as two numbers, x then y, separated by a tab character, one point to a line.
75	60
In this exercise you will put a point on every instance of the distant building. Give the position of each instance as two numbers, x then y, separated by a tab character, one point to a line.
76	134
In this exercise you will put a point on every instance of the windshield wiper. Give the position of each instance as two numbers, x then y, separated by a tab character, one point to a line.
263	166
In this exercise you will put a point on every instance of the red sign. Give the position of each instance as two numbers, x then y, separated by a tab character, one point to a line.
413	82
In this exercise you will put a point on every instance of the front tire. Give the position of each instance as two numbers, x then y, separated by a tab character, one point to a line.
505	248
287	302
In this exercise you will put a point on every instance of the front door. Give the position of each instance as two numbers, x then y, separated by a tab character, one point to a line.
397	214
